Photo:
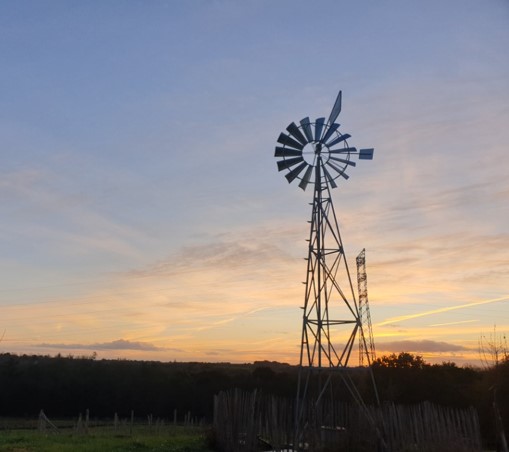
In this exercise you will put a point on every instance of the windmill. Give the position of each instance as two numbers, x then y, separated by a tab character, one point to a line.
317	154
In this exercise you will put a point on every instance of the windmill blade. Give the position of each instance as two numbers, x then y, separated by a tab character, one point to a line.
286	140
329	178
366	154
286	152
339	140
295	172
336	109
305	179
306	126
343	151
285	164
329	132
294	131
318	128
346	162
340	171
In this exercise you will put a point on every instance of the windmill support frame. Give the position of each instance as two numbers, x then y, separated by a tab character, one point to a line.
329	304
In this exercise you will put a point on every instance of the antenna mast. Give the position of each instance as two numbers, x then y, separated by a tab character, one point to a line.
366	342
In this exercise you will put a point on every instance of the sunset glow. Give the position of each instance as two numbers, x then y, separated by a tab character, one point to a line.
143	215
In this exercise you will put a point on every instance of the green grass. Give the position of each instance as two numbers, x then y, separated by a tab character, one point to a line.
99	439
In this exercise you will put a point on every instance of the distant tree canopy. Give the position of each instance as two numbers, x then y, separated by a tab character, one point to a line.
402	360
67	386
407	378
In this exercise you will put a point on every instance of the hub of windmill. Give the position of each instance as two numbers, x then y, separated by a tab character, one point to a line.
313	150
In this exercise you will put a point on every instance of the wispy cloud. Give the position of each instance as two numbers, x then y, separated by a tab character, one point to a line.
420	346
461	322
440	310
120	344
257	250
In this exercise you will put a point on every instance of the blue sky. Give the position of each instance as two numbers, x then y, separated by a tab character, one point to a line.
142	212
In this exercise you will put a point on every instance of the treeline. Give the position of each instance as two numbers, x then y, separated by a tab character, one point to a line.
67	386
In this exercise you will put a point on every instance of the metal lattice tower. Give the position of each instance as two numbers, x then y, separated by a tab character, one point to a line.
366	342
315	152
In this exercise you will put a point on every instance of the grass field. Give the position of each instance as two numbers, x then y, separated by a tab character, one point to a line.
99	439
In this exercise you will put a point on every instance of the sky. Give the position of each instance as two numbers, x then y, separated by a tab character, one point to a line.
142	213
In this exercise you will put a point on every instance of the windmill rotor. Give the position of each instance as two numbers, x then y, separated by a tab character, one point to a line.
310	145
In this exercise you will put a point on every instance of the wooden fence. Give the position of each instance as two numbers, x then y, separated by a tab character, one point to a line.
248	422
